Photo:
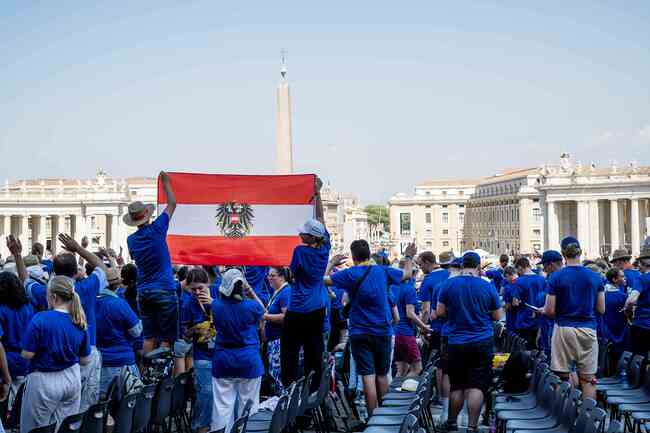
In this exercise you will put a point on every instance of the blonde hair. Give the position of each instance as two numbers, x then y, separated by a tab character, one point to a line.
63	288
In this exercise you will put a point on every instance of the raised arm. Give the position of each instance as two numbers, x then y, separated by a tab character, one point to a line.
16	249
318	202
169	193
409	254
72	246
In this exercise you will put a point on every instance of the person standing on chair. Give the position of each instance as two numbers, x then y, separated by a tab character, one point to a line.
640	298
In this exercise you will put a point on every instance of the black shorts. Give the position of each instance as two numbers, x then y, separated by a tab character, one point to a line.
434	341
371	354
159	314
443	360
470	365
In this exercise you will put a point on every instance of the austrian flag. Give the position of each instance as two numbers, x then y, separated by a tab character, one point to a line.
236	219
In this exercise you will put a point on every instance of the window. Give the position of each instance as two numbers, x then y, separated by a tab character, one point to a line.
427	217
537	215
461	218
405	223
444	206
445	243
92	222
445	218
444	193
462	206
428	193
537	232
429	244
445	232
428	232
461	192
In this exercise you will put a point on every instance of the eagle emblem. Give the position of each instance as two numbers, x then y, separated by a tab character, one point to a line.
235	220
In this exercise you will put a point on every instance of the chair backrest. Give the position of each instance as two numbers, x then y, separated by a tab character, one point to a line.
13	420
623	362
584	413
124	416
143	407
304	394
71	424
45	429
239	426
409	424
595	421
95	418
279	417
562	394
570	410
634	375
162	401
180	395
615	426
294	400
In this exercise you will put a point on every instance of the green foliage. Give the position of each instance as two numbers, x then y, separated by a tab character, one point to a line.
377	214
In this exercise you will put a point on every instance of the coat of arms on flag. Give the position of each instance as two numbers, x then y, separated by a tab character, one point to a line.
237	219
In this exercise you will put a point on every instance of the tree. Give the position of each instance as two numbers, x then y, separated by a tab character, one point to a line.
377	215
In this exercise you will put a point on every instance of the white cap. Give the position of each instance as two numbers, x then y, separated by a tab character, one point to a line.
313	227
229	279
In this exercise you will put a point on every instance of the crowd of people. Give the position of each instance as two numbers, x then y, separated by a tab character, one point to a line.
71	324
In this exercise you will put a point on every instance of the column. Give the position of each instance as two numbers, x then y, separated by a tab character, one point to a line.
594	230
38	232
635	226
22	232
524	225
5	229
115	232
55	232
583	226
553	226
643	217
614	225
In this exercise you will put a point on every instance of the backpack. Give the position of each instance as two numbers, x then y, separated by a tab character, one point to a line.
514	376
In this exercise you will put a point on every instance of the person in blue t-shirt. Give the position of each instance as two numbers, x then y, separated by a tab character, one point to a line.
407	352
640	297
434	274
117	328
304	320
575	296
509	290
371	317
15	314
526	297
616	329
156	287
550	262
471	304
621	260
237	366
274	318
256	277
198	328
56	341
496	275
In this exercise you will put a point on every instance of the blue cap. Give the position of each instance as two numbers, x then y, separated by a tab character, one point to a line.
551	256
457	262
568	241
471	256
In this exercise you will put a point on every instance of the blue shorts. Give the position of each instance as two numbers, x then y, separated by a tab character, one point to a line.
371	354
159	314
203	386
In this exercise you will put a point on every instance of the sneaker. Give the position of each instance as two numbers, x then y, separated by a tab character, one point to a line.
449	427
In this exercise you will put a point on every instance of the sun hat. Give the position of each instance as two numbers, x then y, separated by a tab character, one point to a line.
569	240
312	227
445	257
138	214
550	256
113	276
30	260
645	252
229	279
621	254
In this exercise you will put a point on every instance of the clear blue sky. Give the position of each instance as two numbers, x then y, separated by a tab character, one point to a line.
385	94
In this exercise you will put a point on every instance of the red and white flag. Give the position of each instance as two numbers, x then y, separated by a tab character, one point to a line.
237	219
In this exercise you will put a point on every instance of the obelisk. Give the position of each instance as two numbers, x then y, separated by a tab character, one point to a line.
284	146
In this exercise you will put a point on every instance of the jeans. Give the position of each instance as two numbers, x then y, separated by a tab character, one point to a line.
108	373
203	386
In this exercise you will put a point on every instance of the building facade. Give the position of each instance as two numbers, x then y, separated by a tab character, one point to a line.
346	221
504	214
37	210
433	217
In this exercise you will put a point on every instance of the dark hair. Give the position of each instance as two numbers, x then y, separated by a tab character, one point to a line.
237	291
12	292
129	274
427	256
504	258
89	268
285	273
522	262
181	273
470	261
65	264
645	262
572	251
612	274
509	270
381	260
360	250
37	249
197	275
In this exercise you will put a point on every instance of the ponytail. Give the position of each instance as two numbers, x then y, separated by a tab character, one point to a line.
62	287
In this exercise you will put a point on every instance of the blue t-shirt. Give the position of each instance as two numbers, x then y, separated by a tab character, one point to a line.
496	275
192	314
511	314
48	265
337	303
327	326
576	291
427	293
148	247
237	345
441	321
277	303
88	289
404	294
642	312
308	266
37	294
12	328
370	311
114	320
56	342
256	276
527	288
615	327
545	325
470	302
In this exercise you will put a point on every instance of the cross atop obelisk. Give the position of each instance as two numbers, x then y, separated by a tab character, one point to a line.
284	145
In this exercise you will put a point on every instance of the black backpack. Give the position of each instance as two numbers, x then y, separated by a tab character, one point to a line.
514	377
